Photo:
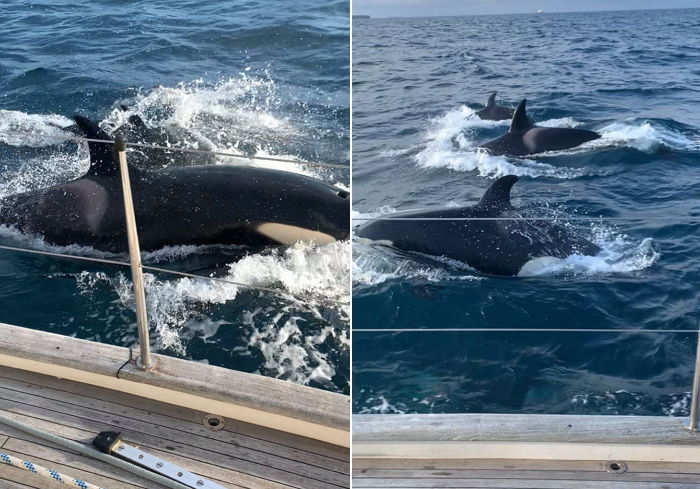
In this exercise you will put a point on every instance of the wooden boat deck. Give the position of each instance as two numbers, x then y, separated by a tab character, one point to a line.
520	474
524	451
239	455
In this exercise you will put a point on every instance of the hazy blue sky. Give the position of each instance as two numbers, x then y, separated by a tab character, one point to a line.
418	8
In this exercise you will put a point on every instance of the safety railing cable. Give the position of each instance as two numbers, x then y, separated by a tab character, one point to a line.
191	150
167	272
522	218
524	330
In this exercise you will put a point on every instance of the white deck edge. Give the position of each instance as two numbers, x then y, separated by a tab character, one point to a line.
526	451
525	436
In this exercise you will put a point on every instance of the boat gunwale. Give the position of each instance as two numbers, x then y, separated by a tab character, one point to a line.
252	398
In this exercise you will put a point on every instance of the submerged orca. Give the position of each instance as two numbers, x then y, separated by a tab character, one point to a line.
193	205
495	247
135	130
493	112
525	138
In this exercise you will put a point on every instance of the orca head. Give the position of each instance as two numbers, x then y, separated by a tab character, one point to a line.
520	122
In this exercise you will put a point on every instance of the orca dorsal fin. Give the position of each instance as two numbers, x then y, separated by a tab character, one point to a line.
133	119
496	199
492	100
103	159
520	120
136	121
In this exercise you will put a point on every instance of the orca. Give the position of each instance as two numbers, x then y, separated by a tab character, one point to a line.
494	112
136	130
524	138
492	247
190	205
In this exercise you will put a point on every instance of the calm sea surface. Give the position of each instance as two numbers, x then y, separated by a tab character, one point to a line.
632	76
266	77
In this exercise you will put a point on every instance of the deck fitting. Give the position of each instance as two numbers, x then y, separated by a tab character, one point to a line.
615	467
213	422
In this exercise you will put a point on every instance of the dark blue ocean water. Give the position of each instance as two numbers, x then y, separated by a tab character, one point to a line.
268	77
632	76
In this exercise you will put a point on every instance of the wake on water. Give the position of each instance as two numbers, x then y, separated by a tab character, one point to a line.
451	142
217	117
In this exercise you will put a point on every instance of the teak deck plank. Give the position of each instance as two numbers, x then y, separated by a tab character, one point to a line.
254	435
223	475
284	401
377	464
124	405
515	484
520	474
240	455
665	430
254	463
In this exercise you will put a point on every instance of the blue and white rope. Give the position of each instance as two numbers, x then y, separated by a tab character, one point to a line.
91	452
45	473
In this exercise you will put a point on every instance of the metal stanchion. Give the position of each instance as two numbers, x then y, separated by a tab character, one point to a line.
144	361
695	400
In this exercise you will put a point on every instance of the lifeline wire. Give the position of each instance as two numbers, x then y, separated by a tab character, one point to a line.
591	218
192	150
45	473
160	270
520	330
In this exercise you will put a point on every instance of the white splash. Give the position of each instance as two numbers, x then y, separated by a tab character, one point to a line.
643	136
378	404
34	130
292	354
619	254
217	116
13	237
373	264
312	279
450	143
50	162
